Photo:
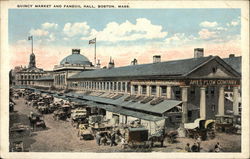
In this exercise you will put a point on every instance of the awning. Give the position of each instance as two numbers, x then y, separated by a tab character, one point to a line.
159	108
126	112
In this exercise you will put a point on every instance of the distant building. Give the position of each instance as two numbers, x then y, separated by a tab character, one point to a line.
23	76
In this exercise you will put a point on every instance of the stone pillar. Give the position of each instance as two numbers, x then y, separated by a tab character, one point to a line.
121	83
184	97
106	86
169	92
109	86
103	86
203	103
117	86
132	89
158	91
139	91
221	104
98	86
148	90
236	100
113	84
126	87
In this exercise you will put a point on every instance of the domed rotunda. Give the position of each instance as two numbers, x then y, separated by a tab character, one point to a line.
75	61
76	58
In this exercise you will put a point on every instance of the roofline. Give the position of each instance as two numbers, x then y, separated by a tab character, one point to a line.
219	60
197	67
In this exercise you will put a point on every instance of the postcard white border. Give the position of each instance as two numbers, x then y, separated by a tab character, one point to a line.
5	67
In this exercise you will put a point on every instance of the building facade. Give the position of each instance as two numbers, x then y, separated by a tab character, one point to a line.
178	91
26	76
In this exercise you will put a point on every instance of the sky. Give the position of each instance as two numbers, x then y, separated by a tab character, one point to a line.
123	34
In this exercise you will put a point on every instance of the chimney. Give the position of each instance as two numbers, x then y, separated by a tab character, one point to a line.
111	63
198	52
156	58
98	65
231	55
134	62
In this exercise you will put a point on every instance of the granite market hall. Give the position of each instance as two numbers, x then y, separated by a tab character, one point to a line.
159	94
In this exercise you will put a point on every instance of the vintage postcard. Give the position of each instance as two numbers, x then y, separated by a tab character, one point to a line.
124	79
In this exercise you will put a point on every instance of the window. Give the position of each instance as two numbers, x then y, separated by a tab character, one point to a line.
153	90
213	107
144	89
136	88
214	69
212	91
192	91
163	89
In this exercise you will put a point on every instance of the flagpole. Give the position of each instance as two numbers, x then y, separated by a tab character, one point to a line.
32	44
95	51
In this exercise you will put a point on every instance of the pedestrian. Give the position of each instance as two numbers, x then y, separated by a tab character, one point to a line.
194	148
113	140
199	143
217	147
98	138
123	142
187	148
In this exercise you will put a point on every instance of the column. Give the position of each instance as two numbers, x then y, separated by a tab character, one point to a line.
103	86
139	90
132	89
236	100
113	86
117	86
169	92
126	87
221	108
184	97
121	84
106	86
109	86
158	91
203	103
148	90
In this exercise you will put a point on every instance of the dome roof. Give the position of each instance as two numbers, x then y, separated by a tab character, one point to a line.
76	58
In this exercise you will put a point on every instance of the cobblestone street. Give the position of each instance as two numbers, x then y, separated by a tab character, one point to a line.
61	136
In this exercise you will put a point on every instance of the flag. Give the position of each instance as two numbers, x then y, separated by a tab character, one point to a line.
93	41
30	38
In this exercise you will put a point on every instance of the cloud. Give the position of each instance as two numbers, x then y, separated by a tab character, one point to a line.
76	29
208	24
221	29
51	37
234	22
49	25
38	32
179	39
206	34
127	31
22	42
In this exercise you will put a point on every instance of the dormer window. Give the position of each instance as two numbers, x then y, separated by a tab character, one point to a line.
214	69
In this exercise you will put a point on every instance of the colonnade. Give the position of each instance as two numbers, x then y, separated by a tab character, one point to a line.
121	86
148	92
221	102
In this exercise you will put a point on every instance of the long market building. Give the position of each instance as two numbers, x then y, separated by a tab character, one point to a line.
169	92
